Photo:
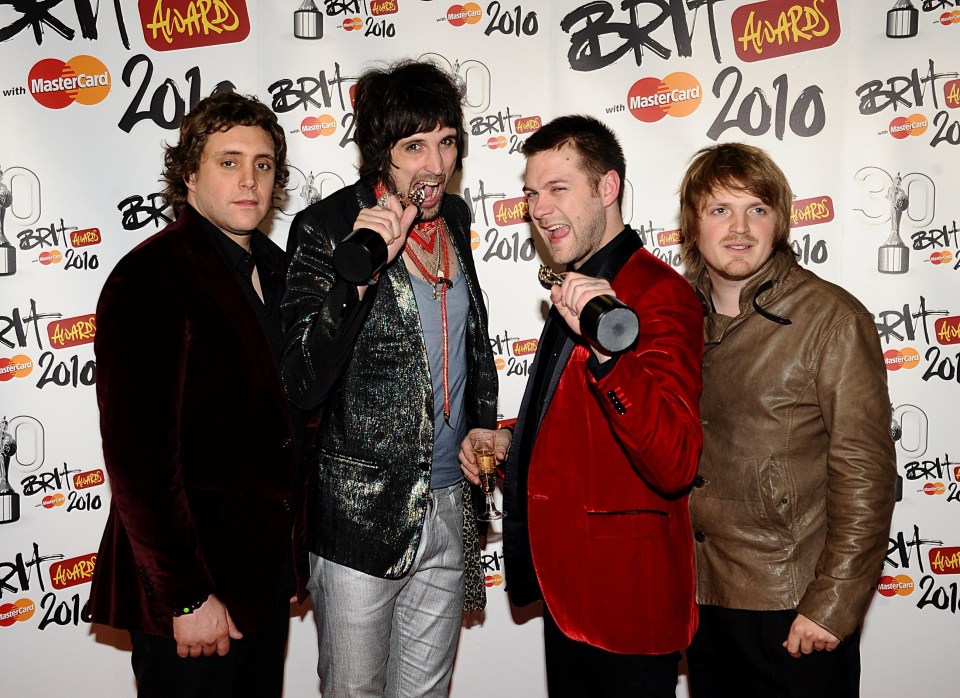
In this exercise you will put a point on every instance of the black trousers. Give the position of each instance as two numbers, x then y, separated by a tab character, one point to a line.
253	668
578	670
740	653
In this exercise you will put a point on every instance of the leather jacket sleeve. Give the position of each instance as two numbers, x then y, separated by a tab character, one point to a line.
851	388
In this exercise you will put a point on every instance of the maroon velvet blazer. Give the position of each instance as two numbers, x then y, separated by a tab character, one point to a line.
606	505
197	441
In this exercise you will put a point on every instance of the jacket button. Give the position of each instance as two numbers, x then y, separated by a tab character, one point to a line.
698	481
286	443
286	505
699	536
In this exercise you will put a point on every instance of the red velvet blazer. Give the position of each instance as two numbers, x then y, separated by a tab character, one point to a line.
606	505
197	440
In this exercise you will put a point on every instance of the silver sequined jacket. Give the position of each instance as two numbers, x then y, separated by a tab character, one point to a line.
366	363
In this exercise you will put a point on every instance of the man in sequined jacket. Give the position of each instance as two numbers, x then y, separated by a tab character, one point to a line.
403	368
791	507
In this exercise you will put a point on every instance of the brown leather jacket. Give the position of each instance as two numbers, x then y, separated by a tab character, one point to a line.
795	492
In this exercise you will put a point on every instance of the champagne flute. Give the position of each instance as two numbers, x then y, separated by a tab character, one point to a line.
486	456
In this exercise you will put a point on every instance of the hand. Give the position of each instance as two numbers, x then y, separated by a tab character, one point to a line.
206	631
806	636
468	464
572	296
391	222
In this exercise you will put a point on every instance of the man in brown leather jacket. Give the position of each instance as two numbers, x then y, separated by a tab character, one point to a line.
792	504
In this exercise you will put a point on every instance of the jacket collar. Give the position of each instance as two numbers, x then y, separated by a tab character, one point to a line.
764	288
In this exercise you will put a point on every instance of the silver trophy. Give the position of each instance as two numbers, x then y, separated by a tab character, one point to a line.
308	21
894	255
9	500
363	253
903	20
8	253
604	320
309	192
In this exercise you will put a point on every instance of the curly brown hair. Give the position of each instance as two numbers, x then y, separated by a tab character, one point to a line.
215	114
739	167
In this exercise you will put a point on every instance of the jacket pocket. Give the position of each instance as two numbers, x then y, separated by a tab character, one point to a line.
777	494
631	523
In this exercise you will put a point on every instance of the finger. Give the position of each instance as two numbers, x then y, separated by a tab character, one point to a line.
407	218
182	650
222	647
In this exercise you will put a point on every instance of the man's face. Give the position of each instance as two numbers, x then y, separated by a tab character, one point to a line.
233	187
427	158
568	210
736	233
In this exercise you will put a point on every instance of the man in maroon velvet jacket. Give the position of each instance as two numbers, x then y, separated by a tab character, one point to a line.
197	559
606	445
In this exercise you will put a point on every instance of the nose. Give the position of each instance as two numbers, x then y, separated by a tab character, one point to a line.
539	206
248	176
434	161
738	222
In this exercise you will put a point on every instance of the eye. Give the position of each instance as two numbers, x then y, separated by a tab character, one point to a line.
412	147
530	195
266	165
449	141
760	210
229	163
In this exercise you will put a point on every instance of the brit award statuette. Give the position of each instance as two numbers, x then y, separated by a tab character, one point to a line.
604	320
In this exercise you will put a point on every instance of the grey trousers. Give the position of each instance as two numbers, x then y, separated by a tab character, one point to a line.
394	637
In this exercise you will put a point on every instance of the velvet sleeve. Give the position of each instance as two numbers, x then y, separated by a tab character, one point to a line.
142	347
322	314
651	396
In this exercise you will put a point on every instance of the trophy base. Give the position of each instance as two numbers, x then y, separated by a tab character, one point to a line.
893	259
9	507
308	24
359	256
610	323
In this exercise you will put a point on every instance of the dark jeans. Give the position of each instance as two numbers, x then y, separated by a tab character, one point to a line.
253	668
741	653
578	670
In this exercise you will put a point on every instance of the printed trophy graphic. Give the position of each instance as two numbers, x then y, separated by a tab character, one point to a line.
903	20
9	500
308	21
894	256
309	192
8	253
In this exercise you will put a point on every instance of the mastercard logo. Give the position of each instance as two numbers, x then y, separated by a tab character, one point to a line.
353	24
903	126
50	257
651	99
497	142
19	366
493	580
500	363
895	359
314	126
942	257
950	17
53	500
82	79
932	489
10	613
901	585
474	240
458	15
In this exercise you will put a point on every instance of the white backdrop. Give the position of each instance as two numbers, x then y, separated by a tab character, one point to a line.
841	107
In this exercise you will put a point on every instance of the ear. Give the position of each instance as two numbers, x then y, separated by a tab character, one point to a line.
609	188
191	181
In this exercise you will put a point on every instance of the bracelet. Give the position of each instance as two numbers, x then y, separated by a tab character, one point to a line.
188	609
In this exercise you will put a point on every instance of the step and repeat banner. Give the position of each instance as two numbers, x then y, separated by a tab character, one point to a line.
858	101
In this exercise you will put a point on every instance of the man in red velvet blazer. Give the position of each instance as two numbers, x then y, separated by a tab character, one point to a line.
197	560
606	445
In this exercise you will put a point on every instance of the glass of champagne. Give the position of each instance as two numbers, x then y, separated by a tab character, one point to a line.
486	456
